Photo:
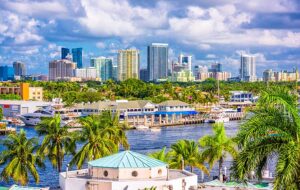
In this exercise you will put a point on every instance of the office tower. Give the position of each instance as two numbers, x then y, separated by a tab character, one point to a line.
157	61
104	67
77	56
88	73
185	61
268	75
144	75
128	64
6	73
19	68
216	67
61	69
64	53
199	69
248	68
115	72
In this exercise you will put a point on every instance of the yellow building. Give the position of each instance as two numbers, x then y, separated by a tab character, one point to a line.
183	76
25	91
128	64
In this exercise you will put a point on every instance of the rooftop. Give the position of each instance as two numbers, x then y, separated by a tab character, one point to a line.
127	159
173	103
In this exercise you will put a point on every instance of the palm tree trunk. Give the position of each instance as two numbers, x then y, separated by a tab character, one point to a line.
192	169
59	161
221	169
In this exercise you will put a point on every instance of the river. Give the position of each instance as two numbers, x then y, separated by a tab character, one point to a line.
142	141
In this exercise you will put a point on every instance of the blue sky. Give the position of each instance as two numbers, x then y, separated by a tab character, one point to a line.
209	30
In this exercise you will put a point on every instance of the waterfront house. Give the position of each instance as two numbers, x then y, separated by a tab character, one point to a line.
242	96
176	107
127	170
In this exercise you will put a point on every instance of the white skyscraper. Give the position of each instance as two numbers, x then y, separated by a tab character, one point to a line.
185	60
248	68
89	73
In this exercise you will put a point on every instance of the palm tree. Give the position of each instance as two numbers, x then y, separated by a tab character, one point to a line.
102	136
273	130
186	153
20	158
215	147
57	141
160	155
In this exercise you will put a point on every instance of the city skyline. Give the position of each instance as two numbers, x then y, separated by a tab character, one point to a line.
209	31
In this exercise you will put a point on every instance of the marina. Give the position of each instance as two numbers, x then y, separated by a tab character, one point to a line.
141	141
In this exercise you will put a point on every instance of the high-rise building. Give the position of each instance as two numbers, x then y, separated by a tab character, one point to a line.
6	73
19	68
128	64
61	69
115	72
77	56
157	61
186	61
144	75
248	68
64	52
88	73
104	67
216	67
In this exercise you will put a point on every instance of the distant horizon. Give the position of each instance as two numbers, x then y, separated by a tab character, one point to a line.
209	31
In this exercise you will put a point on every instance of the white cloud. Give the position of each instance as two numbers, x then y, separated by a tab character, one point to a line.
100	45
211	56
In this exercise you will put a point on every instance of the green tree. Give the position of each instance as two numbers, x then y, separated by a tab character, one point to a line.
186	153
102	136
1	113
215	147
20	158
273	130
57	141
161	155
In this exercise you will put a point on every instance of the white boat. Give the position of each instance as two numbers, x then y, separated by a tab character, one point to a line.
32	119
218	118
141	127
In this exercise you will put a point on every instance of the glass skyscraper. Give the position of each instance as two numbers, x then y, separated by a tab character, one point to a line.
77	56
157	61
64	52
248	68
6	73
104	67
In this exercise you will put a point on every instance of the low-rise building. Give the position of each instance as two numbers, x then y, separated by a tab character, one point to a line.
182	76
127	170
242	96
12	108
175	107
25	91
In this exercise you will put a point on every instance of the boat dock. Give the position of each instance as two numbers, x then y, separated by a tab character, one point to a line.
153	121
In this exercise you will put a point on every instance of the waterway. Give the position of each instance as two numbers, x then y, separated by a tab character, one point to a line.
142	141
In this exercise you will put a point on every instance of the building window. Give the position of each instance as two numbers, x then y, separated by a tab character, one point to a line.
134	174
105	173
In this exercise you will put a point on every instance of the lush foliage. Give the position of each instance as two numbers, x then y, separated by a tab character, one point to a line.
192	92
102	136
216	146
57	141
274	130
20	158
1	113
10	97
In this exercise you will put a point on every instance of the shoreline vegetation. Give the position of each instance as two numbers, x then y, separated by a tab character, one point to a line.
274	129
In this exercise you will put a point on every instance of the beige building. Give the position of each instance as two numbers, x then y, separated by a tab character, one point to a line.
26	92
216	75
280	76
128	64
61	69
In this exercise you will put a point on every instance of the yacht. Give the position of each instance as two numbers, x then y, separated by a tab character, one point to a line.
218	118
32	119
141	127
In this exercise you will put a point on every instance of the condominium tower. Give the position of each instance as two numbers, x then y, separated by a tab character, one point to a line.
64	52
157	61
248	68
185	60
104	67
128	64
19	68
61	69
